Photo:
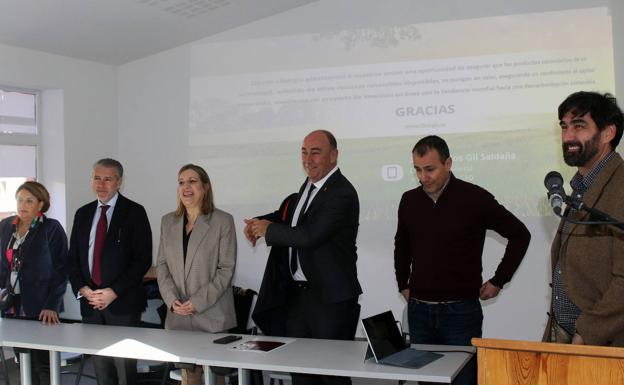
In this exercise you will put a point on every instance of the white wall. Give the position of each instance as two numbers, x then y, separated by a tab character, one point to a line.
78	120
153	106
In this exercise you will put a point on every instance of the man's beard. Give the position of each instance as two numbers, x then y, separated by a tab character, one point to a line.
587	152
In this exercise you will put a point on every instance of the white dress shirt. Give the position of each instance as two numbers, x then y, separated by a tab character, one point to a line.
96	218
299	276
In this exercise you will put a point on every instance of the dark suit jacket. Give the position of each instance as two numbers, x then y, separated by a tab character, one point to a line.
126	257
325	243
43	277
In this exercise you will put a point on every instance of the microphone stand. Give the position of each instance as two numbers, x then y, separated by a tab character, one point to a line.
599	217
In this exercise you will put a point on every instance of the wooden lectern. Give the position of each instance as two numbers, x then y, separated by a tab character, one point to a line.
503	362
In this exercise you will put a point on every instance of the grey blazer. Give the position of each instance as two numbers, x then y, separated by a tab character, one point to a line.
205	278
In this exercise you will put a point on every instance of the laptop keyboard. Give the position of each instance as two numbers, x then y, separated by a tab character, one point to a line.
406	356
411	358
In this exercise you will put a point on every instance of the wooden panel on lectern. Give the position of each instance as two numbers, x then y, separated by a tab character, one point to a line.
504	362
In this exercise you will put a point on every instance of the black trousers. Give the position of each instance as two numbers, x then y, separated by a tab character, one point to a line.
114	370
309	318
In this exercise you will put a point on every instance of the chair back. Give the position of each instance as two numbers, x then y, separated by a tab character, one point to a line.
243	301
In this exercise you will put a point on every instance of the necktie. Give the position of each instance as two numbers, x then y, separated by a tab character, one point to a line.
100	237
294	257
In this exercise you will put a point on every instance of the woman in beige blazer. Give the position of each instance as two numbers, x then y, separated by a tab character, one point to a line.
196	260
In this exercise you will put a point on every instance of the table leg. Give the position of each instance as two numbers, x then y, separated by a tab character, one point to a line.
209	376
55	368
243	376
25	378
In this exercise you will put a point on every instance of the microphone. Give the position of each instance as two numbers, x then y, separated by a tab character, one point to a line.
557	197
556	194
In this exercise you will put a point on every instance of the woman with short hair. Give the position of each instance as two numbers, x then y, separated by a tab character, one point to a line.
33	261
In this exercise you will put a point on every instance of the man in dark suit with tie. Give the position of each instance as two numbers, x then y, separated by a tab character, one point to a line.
310	286
110	252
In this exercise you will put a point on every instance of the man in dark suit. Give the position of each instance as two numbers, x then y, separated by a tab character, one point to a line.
310	286
110	251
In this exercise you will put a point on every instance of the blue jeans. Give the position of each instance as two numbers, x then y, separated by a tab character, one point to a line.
447	324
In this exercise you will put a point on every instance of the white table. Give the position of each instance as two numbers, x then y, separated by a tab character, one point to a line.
329	357
115	341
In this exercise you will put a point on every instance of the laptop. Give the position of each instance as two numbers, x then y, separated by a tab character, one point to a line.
387	344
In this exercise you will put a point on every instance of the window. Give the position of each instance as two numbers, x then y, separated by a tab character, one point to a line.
19	144
18	112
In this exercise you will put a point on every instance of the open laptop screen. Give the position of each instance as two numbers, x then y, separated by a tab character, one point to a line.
383	334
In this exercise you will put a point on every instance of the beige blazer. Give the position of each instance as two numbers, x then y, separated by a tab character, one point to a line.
205	278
